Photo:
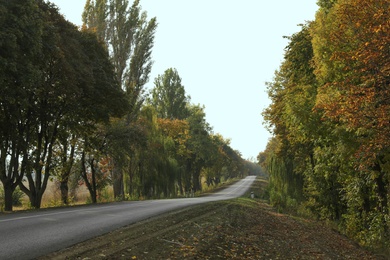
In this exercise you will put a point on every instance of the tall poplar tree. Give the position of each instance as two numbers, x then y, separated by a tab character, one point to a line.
129	37
168	96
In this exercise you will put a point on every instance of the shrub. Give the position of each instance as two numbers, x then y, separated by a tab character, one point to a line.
16	197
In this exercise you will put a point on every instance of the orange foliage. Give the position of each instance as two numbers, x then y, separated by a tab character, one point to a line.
178	130
360	96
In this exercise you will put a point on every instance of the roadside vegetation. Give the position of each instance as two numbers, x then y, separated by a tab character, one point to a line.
330	116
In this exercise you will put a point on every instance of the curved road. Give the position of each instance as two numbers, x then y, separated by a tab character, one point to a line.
27	235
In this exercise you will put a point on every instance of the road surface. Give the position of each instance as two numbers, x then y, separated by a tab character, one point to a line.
27	235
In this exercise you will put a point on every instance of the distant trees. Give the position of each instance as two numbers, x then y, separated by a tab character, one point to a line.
329	116
180	150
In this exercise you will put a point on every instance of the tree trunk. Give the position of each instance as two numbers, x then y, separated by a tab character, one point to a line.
64	191
90	185
180	184
196	185
131	188
117	180
94	185
188	176
93	196
67	162
196	181
8	191
35	200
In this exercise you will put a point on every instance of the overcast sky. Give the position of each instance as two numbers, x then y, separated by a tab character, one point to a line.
224	51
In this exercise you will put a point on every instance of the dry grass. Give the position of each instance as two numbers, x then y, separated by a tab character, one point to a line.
52	196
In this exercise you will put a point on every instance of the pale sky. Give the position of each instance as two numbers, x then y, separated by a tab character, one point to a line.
224	51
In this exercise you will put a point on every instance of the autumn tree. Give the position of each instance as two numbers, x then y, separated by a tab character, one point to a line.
354	73
291	118
329	116
358	48
178	132
169	100
153	166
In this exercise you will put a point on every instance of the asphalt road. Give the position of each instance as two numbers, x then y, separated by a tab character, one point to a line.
27	235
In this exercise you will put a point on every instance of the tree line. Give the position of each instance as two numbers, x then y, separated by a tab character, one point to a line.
74	107
329	115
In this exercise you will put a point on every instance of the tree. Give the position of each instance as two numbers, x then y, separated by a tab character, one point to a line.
358	49
218	161
168	96
129	37
354	97
66	148
291	118
198	146
329	116
65	84
94	163
101	102
20	52
326	5
178	132
94	16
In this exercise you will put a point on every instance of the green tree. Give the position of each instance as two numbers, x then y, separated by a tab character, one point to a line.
168	96
129	36
94	16
94	162
20	52
326	5
102	100
198	146
291	118
64	162
71	86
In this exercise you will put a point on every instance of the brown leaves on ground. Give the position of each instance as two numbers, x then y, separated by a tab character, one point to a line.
246	229
237	229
